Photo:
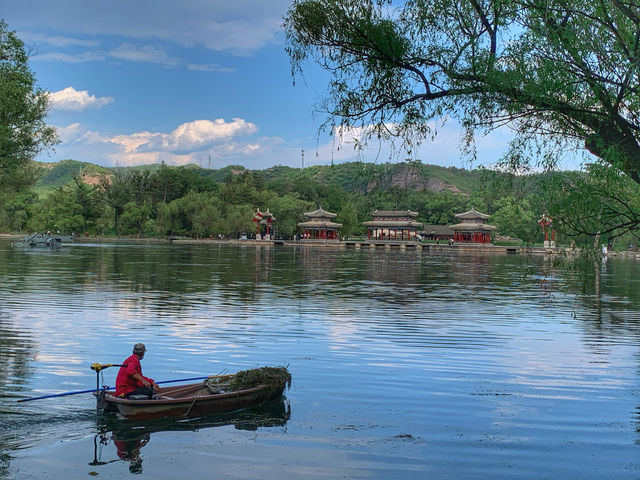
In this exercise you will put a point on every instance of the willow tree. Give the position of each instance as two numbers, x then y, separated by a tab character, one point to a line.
601	203
23	107
561	73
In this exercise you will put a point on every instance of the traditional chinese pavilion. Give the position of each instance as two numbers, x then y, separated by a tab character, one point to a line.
472	228
264	224
393	225
320	226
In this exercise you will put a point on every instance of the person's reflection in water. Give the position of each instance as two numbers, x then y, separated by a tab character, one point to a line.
129	450
129	439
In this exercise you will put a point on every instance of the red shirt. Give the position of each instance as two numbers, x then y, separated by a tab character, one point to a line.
125	382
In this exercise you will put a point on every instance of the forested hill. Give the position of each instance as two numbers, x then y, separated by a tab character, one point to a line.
354	177
192	201
55	175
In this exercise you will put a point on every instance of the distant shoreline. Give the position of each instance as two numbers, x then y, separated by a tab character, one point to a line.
346	244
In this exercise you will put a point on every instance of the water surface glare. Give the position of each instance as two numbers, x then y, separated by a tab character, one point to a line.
405	364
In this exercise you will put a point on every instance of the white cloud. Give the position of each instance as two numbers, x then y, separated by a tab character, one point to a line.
131	143
240	26
73	100
233	143
143	53
209	68
56	40
76	134
355	136
134	159
70	57
193	142
188	143
131	52
70	133
196	135
352	144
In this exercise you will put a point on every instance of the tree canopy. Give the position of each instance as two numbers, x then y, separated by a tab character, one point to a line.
181	201
561	73
23	107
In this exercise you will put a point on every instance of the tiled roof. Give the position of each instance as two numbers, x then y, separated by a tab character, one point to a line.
392	223
473	227
319	224
320	212
472	214
394	213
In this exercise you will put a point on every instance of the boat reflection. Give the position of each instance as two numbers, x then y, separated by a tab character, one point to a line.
129	437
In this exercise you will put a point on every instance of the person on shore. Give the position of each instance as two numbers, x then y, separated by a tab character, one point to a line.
130	381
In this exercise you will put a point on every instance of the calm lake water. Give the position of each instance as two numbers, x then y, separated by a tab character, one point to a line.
405	364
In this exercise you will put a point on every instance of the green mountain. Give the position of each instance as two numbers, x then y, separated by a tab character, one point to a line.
358	177
56	175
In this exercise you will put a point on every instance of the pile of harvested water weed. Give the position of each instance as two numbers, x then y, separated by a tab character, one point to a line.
274	378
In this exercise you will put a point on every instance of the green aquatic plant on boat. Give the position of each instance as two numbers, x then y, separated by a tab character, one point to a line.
274	378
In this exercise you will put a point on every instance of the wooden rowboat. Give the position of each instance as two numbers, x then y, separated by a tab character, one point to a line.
190	400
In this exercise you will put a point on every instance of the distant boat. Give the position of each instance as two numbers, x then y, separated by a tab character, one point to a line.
46	240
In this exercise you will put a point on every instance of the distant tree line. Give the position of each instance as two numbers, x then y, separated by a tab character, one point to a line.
181	201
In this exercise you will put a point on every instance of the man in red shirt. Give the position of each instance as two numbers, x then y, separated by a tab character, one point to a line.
130	380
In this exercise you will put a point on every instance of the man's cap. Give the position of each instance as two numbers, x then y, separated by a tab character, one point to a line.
139	348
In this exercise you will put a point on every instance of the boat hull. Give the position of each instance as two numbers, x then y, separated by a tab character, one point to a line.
194	400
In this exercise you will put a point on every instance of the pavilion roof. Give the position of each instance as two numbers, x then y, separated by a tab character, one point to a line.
394	213
472	215
266	214
320	213
320	224
392	223
473	227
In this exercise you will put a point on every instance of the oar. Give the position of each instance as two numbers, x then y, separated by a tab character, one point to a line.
59	395
105	388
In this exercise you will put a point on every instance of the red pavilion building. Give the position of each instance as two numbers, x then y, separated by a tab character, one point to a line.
320	226
472	228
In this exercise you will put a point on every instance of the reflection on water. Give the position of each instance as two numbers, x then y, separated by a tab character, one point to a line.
16	349
129	438
404	364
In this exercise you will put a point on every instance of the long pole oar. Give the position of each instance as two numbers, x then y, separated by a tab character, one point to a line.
104	388
184	380
59	395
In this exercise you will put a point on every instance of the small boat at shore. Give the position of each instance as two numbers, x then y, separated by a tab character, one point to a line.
216	394
46	240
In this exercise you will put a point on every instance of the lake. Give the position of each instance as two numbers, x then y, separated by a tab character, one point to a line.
405	365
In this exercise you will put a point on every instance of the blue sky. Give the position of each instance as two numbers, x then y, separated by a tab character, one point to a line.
194	81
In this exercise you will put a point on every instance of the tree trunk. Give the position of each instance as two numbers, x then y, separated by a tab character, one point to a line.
619	149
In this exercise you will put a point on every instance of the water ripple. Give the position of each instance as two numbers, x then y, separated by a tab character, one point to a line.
405	364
